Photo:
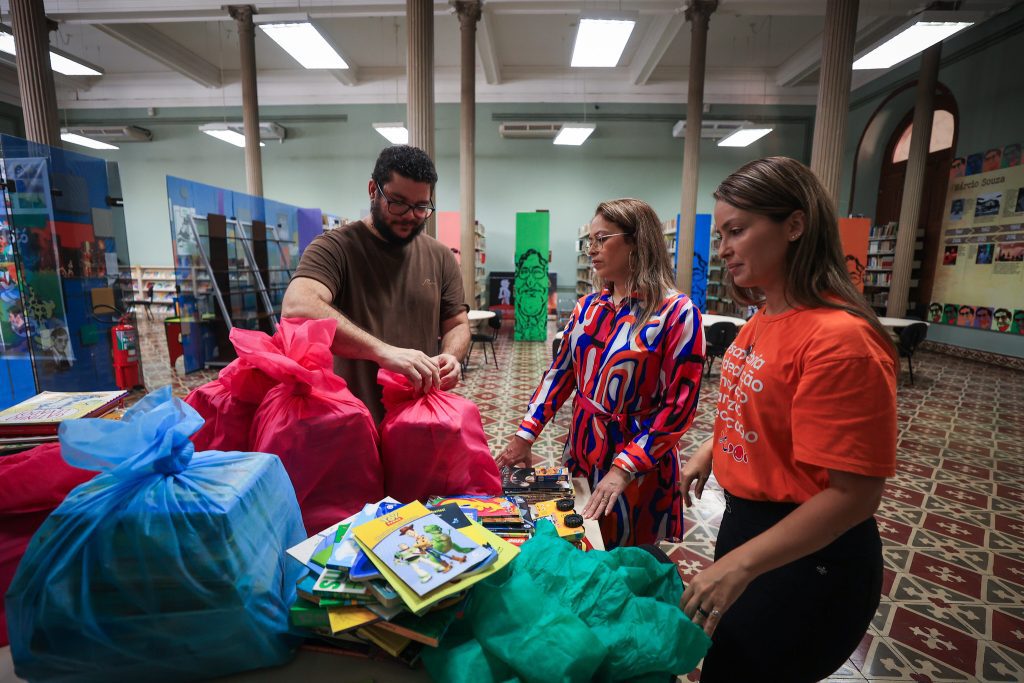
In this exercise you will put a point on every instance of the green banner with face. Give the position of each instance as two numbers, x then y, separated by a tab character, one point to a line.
531	292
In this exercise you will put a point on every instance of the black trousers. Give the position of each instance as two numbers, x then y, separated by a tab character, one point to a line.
800	622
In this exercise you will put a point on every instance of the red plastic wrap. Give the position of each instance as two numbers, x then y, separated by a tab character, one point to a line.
229	402
32	484
433	444
323	434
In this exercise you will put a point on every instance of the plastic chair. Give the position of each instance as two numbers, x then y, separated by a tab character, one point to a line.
910	337
717	339
495	325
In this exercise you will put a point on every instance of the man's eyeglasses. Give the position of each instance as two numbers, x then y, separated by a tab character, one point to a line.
399	208
590	243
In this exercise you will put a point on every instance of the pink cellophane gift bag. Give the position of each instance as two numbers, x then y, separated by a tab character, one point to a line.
433	444
323	434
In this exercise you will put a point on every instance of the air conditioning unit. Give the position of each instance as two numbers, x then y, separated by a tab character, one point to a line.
710	130
111	134
529	130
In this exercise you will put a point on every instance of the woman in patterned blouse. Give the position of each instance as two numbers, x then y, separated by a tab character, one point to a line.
633	352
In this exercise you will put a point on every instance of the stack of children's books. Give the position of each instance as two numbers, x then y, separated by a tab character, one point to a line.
536	483
506	516
391	578
36	420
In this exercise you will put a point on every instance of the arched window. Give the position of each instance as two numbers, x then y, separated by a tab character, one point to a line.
942	136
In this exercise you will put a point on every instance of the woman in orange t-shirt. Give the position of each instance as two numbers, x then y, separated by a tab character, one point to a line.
804	437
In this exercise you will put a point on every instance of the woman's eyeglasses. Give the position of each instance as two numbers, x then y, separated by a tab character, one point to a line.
399	208
597	243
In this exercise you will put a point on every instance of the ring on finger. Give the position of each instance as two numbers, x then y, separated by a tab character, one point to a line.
703	612
715	613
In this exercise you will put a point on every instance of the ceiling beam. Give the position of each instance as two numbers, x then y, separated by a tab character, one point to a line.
149	11
806	61
656	41
171	54
487	49
349	76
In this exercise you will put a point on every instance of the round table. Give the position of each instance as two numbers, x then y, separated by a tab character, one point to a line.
898	323
709	319
476	316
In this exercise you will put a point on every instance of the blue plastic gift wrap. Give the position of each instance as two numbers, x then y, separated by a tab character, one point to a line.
170	565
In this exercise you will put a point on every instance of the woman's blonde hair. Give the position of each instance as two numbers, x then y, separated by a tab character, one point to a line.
816	274
650	268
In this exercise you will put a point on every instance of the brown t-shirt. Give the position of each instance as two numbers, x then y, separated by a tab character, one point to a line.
399	294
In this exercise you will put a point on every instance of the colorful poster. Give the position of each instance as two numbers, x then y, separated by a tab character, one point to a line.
531	282
979	276
701	253
32	303
853	233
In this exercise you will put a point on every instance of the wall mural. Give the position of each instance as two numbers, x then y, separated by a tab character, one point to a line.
531	281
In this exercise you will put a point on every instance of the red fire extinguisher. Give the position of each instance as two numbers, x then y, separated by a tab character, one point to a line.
124	340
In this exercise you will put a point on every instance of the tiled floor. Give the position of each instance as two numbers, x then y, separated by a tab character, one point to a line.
952	519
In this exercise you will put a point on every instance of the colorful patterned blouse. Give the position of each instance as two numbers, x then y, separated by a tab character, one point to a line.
636	394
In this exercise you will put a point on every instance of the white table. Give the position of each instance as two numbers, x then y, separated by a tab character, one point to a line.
476	316
899	323
709	319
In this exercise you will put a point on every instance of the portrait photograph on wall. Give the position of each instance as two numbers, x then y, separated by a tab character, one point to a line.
988	204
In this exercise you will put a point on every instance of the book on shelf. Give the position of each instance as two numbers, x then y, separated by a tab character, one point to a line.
42	414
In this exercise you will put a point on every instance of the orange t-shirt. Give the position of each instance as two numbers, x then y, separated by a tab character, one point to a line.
804	392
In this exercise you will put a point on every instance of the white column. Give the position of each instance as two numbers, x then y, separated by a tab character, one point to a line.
420	74
469	12
834	94
242	15
910	208
35	77
698	13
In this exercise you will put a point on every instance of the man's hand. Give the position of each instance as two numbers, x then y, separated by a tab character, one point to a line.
449	368
419	368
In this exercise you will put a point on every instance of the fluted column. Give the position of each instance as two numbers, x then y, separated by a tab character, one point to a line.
698	13
420	74
35	77
468	12
913	184
834	93
242	14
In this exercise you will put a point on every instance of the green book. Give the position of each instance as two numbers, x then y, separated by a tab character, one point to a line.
323	552
303	614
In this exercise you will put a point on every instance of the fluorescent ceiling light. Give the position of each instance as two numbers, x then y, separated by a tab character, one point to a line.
84	141
306	44
743	137
225	132
233	132
574	133
230	137
600	39
396	133
709	129
60	61
920	33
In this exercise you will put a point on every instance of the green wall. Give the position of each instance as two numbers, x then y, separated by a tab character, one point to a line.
326	162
